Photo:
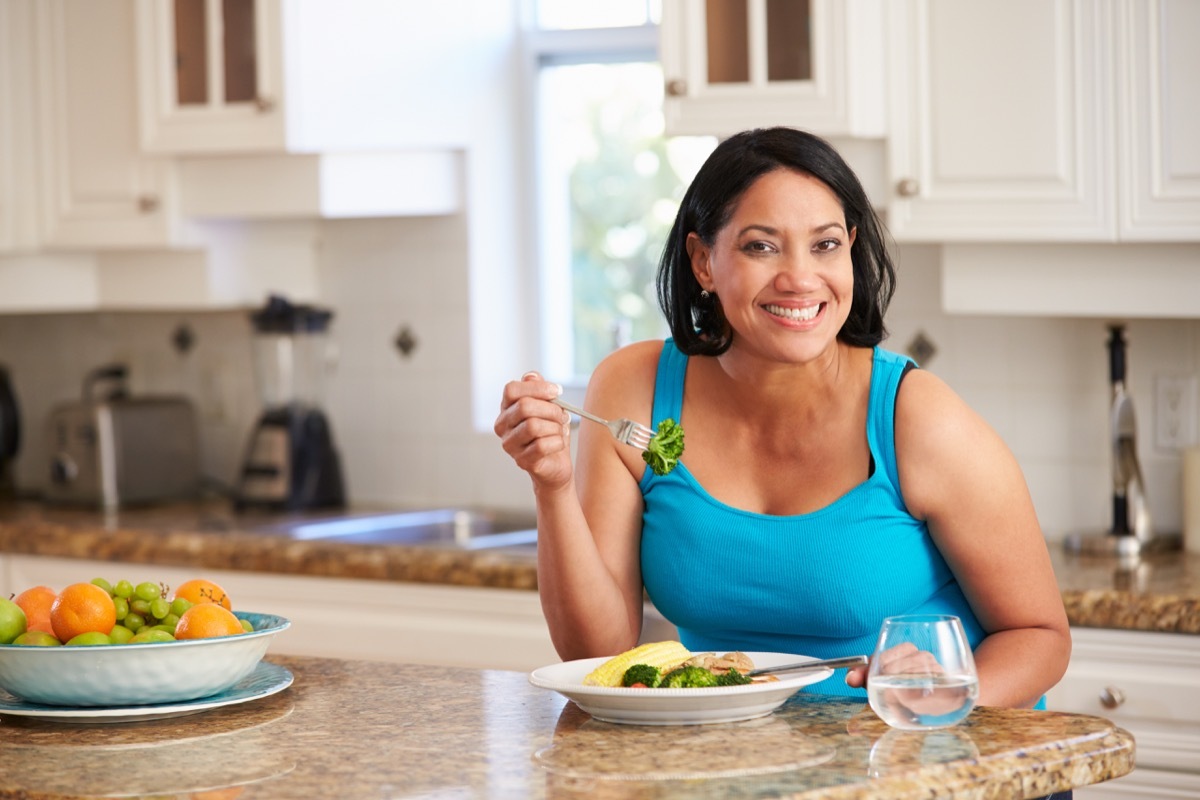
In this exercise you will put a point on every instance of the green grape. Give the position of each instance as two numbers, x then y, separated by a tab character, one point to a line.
159	607
180	605
123	589
247	626
139	606
147	591
120	634
151	635
171	620
122	606
103	584
163	628
133	621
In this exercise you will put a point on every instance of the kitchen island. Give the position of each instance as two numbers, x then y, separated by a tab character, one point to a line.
352	729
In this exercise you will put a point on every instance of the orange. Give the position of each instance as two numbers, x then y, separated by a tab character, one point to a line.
201	590
82	608
206	620
36	602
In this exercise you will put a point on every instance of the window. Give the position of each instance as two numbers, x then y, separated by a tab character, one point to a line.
608	180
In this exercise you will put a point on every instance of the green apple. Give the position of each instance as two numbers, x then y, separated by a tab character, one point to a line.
37	639
89	639
12	620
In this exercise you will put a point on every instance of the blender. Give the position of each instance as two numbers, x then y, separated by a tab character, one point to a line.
291	462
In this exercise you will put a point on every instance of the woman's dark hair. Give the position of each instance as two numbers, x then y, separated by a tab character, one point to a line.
697	324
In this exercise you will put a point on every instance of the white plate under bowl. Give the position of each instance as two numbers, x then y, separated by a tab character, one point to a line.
677	706
265	680
152	673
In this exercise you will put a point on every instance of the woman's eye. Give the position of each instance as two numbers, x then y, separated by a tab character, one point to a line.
758	247
827	245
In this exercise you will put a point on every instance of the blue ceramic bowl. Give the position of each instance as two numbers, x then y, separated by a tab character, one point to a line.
136	674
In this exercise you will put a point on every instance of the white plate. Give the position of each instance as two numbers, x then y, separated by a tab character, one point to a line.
677	706
265	680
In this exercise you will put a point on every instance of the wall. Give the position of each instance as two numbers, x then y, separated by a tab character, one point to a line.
404	422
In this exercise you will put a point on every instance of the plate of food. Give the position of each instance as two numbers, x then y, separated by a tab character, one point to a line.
683	694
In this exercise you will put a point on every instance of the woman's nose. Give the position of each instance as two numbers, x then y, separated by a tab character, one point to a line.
797	274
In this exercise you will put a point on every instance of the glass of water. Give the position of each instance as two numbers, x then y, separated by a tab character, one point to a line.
922	674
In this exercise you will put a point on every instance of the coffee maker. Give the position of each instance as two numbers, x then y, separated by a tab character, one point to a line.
291	462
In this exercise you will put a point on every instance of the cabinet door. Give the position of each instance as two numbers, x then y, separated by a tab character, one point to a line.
98	190
17	186
730	65
1160	120
1000	121
210	75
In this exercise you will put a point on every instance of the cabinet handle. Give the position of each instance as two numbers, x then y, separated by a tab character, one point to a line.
1111	697
264	104
147	204
908	187
676	87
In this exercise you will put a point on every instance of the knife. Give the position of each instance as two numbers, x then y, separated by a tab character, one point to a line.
827	663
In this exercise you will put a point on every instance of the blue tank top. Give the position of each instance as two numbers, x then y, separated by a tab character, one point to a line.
816	584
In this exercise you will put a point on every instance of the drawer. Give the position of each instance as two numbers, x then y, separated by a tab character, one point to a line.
1147	683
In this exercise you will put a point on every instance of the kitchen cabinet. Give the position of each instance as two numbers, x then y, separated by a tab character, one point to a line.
730	65
364	619
275	76
1148	684
97	190
17	222
1035	121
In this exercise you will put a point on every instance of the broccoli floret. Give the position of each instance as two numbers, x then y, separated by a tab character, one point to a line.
665	448
644	674
688	678
732	678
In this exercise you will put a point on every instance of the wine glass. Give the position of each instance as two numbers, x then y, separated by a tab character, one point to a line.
922	674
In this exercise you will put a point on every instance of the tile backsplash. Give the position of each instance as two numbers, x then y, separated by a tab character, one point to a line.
403	421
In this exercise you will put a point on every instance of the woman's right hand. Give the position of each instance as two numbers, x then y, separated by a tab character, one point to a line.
534	431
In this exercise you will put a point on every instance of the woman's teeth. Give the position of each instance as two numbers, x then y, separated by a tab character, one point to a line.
797	314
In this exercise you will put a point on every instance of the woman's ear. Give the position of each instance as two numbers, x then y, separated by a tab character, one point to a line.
698	254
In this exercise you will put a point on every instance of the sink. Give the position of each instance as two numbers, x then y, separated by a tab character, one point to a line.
463	528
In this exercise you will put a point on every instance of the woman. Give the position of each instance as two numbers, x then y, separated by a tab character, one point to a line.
825	485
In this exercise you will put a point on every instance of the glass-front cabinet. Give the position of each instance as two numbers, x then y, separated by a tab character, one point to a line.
736	64
211	75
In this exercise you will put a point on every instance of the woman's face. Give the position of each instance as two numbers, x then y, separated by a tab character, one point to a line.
781	266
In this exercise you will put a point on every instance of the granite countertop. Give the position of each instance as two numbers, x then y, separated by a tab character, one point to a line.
364	729
1160	592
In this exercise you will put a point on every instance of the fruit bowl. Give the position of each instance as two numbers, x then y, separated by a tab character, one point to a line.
136	674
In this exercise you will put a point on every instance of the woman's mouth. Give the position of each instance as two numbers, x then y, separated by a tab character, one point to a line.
794	314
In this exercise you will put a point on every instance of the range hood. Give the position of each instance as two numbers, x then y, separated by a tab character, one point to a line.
332	185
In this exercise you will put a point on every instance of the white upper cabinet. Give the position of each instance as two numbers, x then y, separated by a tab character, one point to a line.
1159	83
730	65
96	189
1044	120
255	76
17	227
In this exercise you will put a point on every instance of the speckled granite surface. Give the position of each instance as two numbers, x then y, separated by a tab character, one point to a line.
1158	593
212	536
352	729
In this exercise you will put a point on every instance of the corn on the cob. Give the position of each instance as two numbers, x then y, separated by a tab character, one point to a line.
656	654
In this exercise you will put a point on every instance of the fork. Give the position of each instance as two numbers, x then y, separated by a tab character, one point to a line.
625	431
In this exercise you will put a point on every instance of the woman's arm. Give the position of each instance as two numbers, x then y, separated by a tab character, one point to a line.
959	476
589	516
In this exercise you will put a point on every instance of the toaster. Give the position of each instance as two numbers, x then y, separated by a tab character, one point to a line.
123	451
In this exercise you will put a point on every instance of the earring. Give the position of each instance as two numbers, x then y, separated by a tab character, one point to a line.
704	294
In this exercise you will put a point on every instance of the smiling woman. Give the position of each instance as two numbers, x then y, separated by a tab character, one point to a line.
828	483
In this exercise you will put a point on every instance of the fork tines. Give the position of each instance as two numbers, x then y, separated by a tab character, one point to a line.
636	434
